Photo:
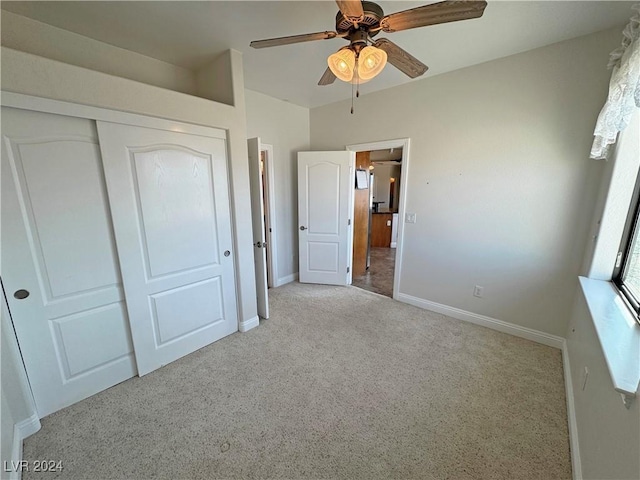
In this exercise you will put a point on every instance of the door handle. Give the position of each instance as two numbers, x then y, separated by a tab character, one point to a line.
21	294
303	228
227	253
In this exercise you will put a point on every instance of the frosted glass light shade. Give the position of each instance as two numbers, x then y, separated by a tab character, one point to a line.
371	61
342	64
357	80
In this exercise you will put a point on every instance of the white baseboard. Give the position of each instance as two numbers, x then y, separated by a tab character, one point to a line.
22	430
286	279
247	325
393	245
493	323
576	464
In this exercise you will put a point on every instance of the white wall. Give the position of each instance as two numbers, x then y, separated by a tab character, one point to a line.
27	35
7	422
16	402
286	127
608	432
498	176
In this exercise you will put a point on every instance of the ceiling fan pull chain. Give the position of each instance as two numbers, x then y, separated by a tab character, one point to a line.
352	99
357	79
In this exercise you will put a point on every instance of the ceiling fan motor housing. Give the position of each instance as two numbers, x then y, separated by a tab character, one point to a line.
358	39
372	16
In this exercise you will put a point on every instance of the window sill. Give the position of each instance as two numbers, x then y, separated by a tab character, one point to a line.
618	333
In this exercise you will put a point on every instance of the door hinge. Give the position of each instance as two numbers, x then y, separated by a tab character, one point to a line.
349	222
618	260
348	269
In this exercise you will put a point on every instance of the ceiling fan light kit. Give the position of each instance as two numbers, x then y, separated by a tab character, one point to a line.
349	65
371	61
343	64
359	21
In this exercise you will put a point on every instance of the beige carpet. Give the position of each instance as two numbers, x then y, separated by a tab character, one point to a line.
339	383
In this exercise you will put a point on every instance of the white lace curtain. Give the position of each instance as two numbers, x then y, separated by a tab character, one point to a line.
624	89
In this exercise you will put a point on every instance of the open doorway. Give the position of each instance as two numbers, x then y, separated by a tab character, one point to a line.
378	206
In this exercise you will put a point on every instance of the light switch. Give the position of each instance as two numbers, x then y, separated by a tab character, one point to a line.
410	218
388	223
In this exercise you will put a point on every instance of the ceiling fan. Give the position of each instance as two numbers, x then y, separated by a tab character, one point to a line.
359	21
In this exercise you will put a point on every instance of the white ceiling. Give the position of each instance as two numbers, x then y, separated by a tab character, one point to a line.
190	34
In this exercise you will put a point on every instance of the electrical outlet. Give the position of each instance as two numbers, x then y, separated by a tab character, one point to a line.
477	291
410	218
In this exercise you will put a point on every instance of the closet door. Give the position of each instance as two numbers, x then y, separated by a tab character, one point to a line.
170	207
59	265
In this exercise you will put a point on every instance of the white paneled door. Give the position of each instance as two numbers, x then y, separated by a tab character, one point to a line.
59	265
256	168
325	209
169	198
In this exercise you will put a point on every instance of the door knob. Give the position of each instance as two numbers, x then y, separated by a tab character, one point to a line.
258	244
227	253
303	228
21	294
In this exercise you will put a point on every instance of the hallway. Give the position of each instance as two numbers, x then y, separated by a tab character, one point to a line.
379	277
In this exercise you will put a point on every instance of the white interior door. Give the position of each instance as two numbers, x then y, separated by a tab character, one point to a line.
59	263
325	208
169	197
266	155
258	219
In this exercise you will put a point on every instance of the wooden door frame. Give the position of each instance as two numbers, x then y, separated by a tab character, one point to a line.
403	143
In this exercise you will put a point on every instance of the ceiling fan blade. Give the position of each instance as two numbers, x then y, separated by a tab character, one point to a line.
433	14
401	59
327	77
351	9
307	37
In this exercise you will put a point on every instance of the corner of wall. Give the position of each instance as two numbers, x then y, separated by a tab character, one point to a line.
237	74
222	80
572	423
604	434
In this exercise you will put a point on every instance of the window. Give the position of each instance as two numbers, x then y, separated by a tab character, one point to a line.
626	274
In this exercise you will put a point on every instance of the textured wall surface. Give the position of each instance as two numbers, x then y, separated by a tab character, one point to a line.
498	176
286	127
